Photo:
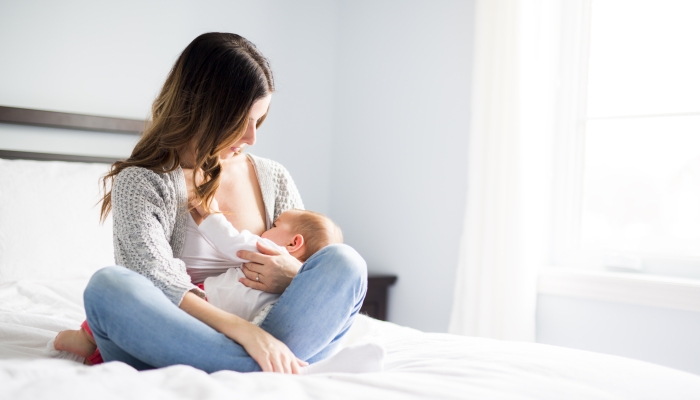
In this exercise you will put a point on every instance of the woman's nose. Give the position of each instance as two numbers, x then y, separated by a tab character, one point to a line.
249	137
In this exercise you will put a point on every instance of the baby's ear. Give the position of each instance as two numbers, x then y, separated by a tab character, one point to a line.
296	244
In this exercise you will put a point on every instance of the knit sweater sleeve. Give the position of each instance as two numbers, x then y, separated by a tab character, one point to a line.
145	208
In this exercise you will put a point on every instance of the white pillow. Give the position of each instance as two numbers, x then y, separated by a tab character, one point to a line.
49	220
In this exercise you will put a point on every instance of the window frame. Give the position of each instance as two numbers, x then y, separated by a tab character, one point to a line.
568	161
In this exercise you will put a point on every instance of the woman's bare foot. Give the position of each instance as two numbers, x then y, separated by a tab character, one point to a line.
76	342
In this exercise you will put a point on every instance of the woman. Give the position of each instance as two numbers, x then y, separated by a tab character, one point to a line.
149	314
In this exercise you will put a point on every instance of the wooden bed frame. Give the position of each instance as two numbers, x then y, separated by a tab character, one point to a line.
25	116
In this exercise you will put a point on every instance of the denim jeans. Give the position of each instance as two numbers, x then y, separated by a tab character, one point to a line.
134	322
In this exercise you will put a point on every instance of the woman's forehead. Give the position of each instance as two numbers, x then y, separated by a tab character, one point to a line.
260	107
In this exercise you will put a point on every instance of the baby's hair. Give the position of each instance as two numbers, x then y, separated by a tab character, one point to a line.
318	231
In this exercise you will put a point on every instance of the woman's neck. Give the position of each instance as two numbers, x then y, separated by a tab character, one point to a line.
186	158
235	159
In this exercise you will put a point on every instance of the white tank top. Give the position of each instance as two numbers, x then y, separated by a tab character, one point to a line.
200	256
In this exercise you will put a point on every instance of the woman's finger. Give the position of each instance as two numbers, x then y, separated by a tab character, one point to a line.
252	256
289	363
277	364
265	365
281	365
296	366
251	274
252	284
267	250
285	362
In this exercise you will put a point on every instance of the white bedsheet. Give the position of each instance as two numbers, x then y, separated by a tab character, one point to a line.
418	365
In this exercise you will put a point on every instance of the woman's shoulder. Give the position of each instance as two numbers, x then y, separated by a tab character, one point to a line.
271	172
135	175
266	166
277	185
146	180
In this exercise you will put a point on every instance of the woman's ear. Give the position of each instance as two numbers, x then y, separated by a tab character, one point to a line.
296	244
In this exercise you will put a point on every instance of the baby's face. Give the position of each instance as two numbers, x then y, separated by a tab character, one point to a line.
281	232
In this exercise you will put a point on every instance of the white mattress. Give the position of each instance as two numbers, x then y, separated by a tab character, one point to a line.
418	365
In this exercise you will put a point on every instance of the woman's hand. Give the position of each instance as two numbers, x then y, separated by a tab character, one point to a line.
271	354
269	270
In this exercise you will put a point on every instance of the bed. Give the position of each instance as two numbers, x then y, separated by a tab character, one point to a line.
48	250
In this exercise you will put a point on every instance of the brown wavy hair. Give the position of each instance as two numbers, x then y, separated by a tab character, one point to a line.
203	106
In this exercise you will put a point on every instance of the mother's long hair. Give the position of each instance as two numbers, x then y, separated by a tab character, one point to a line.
203	106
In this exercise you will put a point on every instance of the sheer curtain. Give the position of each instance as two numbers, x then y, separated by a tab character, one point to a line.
515	102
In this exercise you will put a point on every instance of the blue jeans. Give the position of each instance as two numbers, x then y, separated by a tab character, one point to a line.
134	322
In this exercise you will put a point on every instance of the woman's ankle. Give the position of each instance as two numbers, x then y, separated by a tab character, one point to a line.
87	336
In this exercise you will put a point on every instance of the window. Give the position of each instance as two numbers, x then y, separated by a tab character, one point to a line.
638	203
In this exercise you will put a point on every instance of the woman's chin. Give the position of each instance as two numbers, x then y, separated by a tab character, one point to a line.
230	154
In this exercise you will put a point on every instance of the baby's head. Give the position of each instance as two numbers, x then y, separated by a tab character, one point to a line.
303	233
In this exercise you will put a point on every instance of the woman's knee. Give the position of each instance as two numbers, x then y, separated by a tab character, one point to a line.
105	282
341	260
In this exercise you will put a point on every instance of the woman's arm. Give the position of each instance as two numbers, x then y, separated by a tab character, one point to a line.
271	354
145	211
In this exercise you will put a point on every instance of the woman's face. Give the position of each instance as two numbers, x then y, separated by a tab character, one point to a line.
257	111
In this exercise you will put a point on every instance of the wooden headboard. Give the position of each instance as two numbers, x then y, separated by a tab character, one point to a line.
25	116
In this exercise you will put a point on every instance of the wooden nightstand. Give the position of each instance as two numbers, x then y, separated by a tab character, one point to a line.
376	298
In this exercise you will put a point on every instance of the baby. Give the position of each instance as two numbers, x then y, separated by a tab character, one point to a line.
296	232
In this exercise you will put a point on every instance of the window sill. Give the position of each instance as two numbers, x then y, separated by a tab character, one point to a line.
621	287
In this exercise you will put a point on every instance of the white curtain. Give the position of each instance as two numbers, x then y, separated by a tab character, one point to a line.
506	233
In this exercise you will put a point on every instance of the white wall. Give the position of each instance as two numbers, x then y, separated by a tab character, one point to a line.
111	58
399	166
658	335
